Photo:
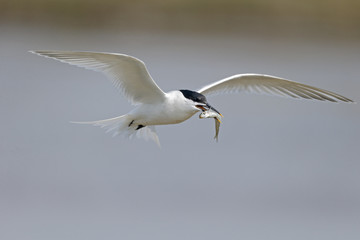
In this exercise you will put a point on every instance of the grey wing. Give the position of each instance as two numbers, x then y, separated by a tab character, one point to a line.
127	73
260	83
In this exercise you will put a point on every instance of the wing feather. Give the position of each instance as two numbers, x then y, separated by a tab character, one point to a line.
260	83
127	73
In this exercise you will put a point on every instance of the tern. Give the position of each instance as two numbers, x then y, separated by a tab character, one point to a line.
156	107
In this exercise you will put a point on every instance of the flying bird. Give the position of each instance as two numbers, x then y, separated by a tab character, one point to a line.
156	107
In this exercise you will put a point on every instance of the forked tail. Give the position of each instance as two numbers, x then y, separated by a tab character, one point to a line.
123	125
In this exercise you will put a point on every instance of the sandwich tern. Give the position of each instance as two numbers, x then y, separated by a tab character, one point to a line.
155	107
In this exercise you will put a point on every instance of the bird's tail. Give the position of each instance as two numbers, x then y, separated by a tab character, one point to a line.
123	126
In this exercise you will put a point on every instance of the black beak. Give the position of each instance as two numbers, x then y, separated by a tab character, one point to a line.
212	108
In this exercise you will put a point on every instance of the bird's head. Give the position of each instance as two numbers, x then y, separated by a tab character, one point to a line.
198	101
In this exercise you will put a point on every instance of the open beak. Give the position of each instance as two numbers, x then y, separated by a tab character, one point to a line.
212	108
207	107
202	107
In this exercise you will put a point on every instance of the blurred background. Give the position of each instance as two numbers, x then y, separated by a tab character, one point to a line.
282	169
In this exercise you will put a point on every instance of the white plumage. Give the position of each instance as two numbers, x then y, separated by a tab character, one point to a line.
261	83
154	107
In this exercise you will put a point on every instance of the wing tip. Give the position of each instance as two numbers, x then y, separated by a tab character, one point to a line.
42	53
34	52
37	51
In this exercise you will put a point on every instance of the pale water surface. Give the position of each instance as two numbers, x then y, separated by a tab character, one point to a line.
282	169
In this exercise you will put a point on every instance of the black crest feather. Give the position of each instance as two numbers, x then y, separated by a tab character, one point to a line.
194	96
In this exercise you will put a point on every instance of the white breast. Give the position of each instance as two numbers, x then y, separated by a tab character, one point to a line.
175	109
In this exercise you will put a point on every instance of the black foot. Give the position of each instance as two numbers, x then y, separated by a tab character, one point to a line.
139	126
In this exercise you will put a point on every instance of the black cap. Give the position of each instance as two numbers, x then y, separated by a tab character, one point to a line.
194	96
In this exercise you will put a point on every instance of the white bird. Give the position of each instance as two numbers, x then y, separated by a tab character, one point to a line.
155	107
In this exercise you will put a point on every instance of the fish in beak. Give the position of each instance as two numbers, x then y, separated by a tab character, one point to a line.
206	107
213	113
212	108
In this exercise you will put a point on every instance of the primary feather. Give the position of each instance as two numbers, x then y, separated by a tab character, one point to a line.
260	83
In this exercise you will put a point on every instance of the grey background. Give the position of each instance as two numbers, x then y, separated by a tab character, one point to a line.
282	169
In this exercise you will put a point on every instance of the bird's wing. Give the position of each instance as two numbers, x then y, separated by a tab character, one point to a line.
127	73
259	83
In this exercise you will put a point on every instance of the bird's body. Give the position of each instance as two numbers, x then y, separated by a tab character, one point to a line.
174	109
155	107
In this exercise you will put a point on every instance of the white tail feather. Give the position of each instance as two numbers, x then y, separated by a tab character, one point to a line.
122	126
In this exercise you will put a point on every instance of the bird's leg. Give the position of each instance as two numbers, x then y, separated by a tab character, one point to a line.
131	123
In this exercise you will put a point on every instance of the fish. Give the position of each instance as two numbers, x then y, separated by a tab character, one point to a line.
217	117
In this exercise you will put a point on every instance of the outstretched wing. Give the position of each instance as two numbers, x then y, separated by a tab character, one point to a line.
127	73
259	83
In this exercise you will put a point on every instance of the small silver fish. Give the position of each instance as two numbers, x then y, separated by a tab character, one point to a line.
212	114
